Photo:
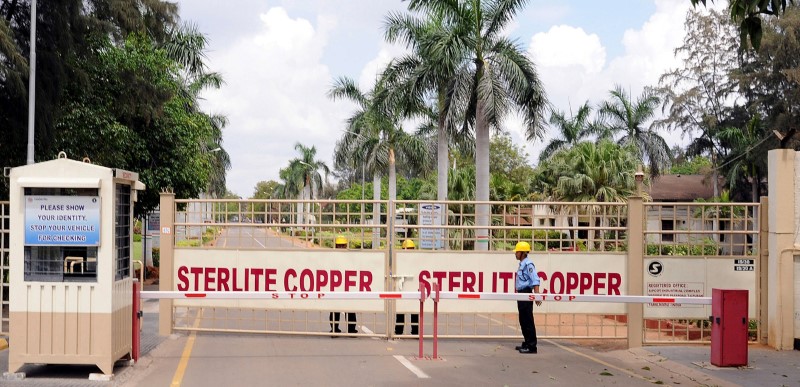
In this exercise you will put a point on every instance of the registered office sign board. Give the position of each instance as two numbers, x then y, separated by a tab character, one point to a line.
62	220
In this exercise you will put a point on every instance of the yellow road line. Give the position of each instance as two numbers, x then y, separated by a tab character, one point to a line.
187	352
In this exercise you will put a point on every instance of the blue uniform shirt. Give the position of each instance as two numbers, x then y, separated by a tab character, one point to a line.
526	275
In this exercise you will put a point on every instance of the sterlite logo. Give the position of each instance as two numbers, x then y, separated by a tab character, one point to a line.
655	268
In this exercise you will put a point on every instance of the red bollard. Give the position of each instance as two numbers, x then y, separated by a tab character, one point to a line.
729	321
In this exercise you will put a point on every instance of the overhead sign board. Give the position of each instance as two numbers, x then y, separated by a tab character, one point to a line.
62	220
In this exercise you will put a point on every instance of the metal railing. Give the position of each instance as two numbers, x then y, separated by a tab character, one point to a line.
549	226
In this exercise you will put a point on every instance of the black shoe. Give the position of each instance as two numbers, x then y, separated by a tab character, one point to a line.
519	347
352	331
527	350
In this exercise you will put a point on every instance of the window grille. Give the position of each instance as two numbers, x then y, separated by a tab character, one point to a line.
122	231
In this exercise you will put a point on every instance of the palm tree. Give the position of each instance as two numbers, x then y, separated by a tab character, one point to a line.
628	117
745	159
590	172
374	136
306	170
186	45
427	73
571	130
493	76
220	159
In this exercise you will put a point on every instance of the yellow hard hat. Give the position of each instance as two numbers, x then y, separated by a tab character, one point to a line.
408	244
340	240
522	246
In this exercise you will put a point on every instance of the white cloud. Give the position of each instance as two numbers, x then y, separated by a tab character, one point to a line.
574	69
370	72
565	46
275	96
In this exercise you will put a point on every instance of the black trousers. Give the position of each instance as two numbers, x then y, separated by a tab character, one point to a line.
526	323
400	321
351	322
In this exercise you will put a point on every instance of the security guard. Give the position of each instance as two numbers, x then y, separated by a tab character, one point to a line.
400	320
341	243
527	281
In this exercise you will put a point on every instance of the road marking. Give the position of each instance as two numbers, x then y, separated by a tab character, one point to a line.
596	360
494	320
411	367
187	352
257	241
590	357
369	332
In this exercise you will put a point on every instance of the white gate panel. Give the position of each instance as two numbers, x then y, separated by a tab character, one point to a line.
304	272
695	277
479	272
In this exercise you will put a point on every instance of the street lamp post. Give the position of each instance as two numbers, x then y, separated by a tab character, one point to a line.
32	86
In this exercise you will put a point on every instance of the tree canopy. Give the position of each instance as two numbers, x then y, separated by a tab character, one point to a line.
126	72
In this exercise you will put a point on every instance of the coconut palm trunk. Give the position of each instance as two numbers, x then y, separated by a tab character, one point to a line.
376	209
482	209
442	165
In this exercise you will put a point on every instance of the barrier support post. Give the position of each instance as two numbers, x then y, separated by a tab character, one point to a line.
435	320
421	316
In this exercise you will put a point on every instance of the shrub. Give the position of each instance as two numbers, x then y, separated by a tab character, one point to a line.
137	237
707	247
156	256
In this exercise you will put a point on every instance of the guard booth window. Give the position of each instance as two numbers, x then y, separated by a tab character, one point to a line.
122	231
61	263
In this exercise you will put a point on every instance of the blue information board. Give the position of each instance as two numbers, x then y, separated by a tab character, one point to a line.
62	220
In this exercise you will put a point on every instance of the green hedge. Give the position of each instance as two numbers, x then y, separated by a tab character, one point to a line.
706	247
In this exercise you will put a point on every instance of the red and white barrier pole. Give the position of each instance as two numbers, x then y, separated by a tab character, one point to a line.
311	295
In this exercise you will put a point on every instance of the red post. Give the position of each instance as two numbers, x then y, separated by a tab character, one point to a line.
421	315
435	320
135	326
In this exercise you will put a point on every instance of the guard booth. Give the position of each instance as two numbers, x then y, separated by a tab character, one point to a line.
71	271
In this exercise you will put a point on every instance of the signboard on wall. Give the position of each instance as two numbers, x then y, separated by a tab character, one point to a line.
154	223
693	277
62	220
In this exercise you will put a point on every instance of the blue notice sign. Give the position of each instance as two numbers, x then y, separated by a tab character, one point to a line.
62	220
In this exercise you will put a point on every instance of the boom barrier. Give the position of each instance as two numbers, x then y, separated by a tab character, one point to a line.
420	295
416	296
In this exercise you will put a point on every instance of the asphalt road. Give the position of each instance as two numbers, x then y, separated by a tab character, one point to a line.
257	360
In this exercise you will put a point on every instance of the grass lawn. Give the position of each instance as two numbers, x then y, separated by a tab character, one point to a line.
136	254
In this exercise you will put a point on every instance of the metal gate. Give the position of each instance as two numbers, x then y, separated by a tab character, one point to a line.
712	234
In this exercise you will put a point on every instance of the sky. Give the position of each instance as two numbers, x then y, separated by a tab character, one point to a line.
279	58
